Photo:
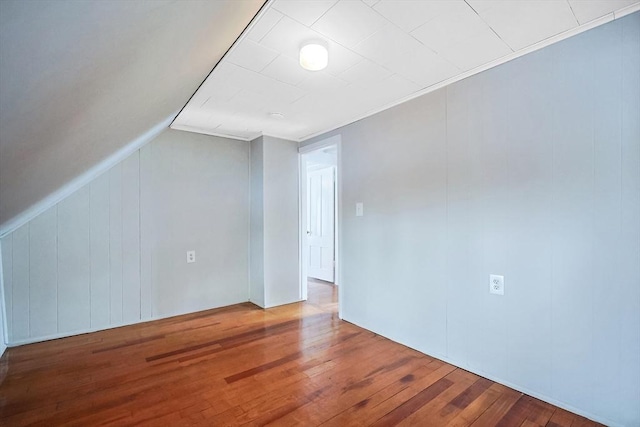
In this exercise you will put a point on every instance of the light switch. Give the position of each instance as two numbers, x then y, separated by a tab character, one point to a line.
359	209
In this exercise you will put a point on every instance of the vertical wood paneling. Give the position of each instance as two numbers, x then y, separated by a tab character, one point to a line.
573	174
7	280
20	294
256	226
74	261
555	208
115	239
423	227
628	306
146	231
459	283
606	232
280	219
473	335
43	255
131	239
207	180
99	231
530	181
495	213
104	276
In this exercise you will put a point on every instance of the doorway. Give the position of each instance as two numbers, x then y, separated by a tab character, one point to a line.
321	195
319	215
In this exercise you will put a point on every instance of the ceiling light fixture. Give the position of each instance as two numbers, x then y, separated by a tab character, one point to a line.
314	57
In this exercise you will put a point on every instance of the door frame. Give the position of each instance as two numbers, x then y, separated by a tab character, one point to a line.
303	247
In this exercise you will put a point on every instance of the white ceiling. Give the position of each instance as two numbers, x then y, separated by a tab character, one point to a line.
81	80
381	52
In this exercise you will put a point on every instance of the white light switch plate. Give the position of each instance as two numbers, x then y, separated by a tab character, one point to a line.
359	209
191	257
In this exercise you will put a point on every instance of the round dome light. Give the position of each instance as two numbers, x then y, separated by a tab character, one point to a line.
314	57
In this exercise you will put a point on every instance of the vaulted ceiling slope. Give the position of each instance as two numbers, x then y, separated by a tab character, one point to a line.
381	53
82	80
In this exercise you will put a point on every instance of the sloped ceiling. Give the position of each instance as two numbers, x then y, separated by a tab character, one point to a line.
381	53
80	80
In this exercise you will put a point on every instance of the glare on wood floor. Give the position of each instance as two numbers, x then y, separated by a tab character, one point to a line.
297	364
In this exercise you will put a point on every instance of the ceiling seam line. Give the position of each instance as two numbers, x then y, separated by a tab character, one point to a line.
320	17
490	27
572	12
270	29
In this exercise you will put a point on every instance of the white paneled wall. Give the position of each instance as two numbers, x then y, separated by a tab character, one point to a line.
274	222
88	262
199	200
100	252
146	232
43	277
16	252
78	263
74	272
115	244
256	276
6	248
281	269
3	345
530	170
130	204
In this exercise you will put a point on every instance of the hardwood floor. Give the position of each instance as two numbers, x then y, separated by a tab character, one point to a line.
292	365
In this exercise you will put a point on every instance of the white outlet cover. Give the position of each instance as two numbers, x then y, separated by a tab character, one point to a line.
359	209
496	284
191	256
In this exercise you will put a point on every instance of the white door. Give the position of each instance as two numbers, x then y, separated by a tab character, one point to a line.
320	223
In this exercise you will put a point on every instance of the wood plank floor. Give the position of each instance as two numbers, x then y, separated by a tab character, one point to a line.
292	365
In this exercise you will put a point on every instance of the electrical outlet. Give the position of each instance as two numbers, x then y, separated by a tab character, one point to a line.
496	284
359	209
191	257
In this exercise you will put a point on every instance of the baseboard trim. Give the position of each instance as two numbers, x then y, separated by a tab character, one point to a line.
34	340
286	302
525	390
